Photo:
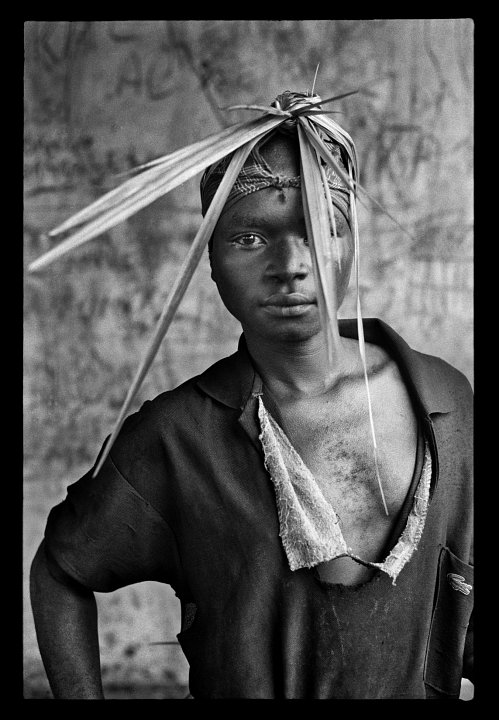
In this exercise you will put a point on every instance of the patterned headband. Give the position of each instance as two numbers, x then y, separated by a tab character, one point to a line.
257	174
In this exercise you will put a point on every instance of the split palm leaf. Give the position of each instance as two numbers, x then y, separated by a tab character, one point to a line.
141	190
316	202
352	183
179	287
360	333
158	177
319	237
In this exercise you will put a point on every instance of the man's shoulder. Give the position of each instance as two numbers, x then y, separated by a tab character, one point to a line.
443	372
181	403
435	379
435	384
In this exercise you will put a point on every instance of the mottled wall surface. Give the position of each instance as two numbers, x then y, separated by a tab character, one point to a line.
102	97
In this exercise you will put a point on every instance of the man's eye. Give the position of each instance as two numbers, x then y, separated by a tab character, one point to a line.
249	240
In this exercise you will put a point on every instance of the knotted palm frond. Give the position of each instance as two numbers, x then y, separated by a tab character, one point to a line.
158	177
139	191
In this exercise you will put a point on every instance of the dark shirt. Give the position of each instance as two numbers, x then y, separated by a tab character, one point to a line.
184	498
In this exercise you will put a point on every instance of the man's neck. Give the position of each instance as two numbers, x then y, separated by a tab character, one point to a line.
300	368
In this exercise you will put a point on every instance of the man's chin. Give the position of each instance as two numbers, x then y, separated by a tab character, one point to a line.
291	333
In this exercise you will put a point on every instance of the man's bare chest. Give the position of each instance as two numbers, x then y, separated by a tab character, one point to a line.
332	435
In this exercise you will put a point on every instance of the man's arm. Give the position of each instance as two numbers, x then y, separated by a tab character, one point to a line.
65	616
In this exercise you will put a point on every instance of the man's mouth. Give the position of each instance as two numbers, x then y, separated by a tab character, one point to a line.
288	304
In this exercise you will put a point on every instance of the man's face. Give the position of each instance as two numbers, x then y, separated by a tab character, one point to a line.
262	265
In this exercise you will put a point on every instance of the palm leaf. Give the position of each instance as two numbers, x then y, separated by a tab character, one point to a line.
140	191
317	222
160	176
362	345
326	155
261	108
304	109
315	78
352	183
158	165
180	286
338	134
319	112
321	150
332	218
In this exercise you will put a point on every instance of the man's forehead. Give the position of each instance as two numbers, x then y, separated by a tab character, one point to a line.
274	164
265	206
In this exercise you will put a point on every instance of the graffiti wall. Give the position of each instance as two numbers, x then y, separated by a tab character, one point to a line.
103	97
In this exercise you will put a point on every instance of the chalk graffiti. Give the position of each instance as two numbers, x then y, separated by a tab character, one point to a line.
146	71
56	42
60	162
156	78
440	287
398	151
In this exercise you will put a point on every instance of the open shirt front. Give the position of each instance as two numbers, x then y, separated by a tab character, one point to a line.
185	498
310	529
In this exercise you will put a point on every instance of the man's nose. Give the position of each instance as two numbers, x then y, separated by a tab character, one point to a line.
290	258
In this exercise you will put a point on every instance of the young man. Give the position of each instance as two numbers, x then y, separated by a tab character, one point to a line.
251	490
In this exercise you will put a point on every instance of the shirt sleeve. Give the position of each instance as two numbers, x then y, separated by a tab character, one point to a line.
105	535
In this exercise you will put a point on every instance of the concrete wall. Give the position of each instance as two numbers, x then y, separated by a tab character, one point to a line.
101	97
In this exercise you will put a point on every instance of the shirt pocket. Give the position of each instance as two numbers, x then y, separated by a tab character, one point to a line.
449	624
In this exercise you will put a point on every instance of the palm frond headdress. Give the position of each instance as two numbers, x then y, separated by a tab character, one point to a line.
328	159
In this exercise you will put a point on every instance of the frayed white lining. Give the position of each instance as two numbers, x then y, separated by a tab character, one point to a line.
309	526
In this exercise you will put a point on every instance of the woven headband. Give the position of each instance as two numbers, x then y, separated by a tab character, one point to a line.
257	175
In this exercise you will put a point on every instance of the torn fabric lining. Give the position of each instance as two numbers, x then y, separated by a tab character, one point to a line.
309	527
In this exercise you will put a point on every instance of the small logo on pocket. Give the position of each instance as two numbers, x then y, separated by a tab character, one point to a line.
457	582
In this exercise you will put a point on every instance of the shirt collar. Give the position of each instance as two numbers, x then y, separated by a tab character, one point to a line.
426	376
231	380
